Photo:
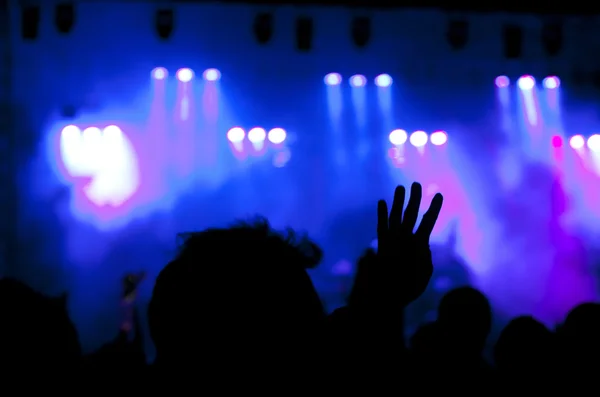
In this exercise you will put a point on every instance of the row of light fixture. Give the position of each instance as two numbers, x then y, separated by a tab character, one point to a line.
358	80
185	75
418	138
527	82
257	135
578	142
91	133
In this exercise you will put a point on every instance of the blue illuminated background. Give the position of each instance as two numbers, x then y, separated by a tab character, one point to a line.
209	126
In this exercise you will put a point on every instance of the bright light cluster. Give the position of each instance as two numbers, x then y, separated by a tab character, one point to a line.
106	157
528	82
257	135
418	138
185	75
578	142
358	80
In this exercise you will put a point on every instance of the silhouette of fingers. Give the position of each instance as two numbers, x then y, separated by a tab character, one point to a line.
382	220
430	218
412	208
397	208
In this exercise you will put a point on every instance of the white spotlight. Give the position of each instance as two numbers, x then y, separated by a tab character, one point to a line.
257	134
185	75
398	137
236	135
526	82
418	138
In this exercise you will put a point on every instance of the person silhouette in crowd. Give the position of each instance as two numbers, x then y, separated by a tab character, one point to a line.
123	359
579	345
524	344
368	332
238	303
464	324
424	347
37	335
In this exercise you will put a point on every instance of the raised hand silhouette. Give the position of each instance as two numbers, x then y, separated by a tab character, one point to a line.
404	264
403	267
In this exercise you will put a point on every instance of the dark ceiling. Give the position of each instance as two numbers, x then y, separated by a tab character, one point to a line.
573	7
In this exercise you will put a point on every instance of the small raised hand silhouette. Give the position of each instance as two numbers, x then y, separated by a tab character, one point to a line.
402	267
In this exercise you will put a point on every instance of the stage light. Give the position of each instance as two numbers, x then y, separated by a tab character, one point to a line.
557	141
398	137
185	75
577	142
277	135
526	82
304	33
457	34
383	80
593	143
418	138
552	37
92	137
30	22
112	133
551	82
236	135
164	23
64	17
159	73
361	31
263	27
333	79
211	75
358	80
502	81
257	135
70	131
438	138
513	41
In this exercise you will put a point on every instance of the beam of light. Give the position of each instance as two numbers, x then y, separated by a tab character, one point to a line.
418	139
552	91
118	178
209	151
593	144
504	103
106	162
534	141
185	132
335	108
236	136
553	125
528	95
582	181
509	170
384	100
257	137
359	104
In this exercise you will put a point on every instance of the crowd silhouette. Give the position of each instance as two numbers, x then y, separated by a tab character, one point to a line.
236	310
